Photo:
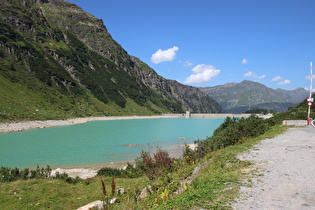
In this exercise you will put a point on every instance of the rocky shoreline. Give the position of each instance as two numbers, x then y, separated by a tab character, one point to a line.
86	172
91	171
38	124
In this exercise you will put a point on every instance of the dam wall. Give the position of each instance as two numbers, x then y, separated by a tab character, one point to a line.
200	115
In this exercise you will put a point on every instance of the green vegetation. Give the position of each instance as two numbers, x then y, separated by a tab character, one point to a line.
232	131
257	111
218	183
47	72
298	112
213	187
9	175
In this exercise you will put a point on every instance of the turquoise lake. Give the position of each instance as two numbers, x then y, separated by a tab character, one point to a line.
100	141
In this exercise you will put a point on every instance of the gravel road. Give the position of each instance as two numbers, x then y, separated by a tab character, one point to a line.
285	172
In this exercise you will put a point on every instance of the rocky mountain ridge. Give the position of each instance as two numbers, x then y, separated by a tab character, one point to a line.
239	97
64	57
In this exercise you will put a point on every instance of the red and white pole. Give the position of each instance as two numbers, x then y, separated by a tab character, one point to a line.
310	99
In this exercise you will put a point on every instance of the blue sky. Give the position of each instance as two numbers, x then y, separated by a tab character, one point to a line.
205	43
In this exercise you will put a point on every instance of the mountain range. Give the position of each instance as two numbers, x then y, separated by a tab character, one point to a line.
58	61
240	97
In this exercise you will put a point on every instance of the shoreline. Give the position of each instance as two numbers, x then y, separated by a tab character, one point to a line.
90	170
39	124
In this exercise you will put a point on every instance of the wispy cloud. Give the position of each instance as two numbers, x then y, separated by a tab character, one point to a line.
254	75
201	74
244	61
284	82
277	78
188	63
164	55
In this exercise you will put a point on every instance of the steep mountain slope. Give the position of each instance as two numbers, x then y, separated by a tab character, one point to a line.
239	97
58	61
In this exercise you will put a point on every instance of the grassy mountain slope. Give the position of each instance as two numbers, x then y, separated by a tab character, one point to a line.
239	97
57	61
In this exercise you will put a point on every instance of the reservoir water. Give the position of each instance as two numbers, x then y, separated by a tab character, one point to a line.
100	141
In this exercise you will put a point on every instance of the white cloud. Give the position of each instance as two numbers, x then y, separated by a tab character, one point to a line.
164	55
252	74
202	74
187	63
277	78
284	82
244	61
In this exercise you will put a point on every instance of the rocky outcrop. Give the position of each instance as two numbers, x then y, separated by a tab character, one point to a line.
191	98
95	35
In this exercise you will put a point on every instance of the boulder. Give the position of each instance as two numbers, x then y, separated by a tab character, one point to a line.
120	191
144	192
93	205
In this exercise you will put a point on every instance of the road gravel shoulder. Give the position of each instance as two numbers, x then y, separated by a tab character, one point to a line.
283	173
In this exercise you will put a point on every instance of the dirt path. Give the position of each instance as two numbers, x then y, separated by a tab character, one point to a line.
286	172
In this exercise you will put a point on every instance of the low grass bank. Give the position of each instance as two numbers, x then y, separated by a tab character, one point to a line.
213	188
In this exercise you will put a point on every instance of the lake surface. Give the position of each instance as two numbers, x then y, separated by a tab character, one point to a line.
100	141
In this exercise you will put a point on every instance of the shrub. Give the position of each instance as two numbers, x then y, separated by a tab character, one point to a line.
65	177
7	174
154	166
231	131
129	172
189	155
111	172
162	159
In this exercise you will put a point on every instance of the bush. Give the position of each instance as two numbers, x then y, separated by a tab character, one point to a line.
65	177
231	131
189	155
8	174
129	172
154	166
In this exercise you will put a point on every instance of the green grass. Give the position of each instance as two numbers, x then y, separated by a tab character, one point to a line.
20	103
214	187
57	194
218	184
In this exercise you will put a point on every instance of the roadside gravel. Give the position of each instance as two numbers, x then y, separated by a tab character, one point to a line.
283	176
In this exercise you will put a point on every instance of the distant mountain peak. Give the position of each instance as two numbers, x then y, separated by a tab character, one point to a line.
239	97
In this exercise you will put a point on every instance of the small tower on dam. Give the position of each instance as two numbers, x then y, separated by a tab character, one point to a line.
188	115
